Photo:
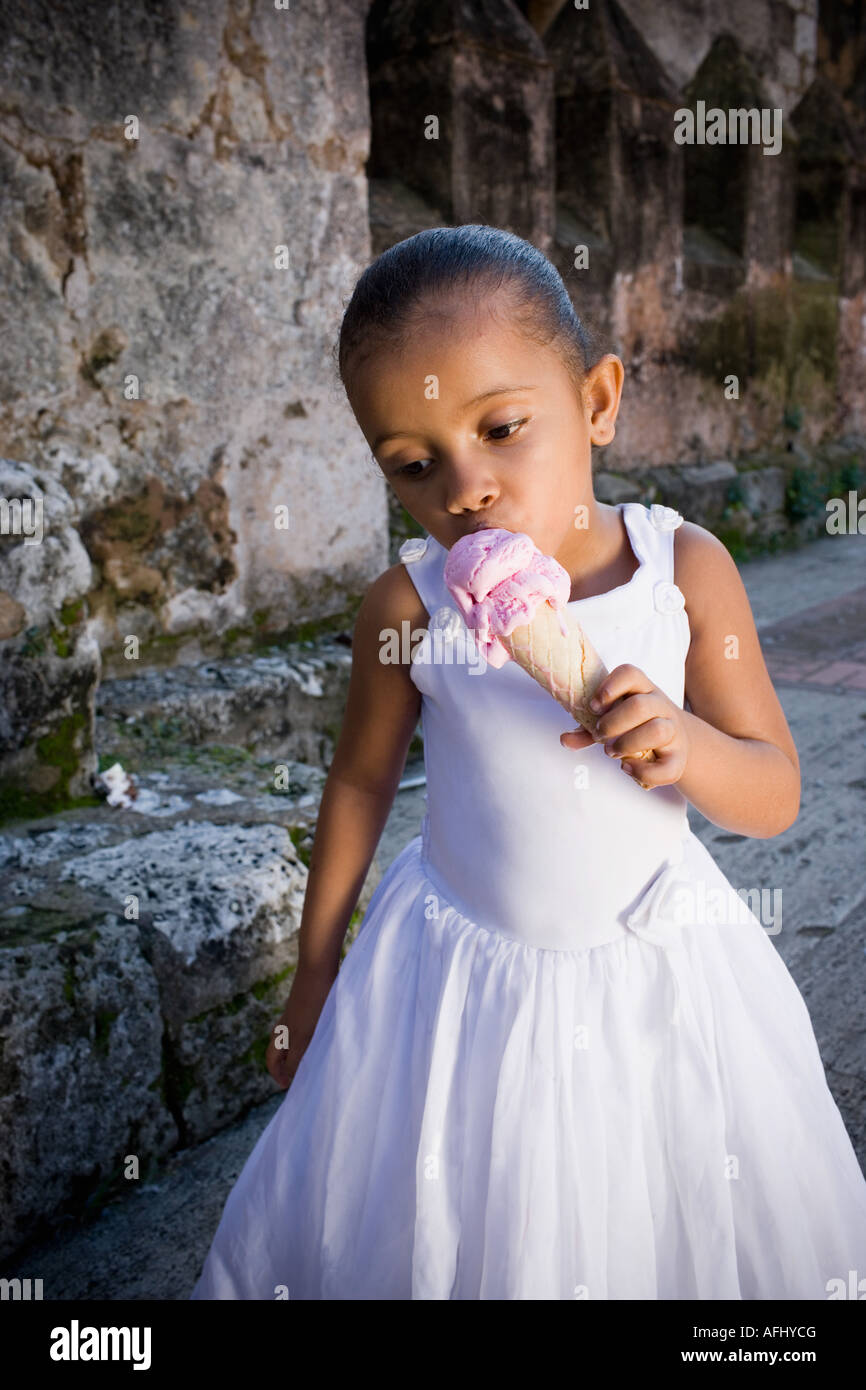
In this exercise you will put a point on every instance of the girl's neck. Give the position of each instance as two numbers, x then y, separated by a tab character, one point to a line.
607	559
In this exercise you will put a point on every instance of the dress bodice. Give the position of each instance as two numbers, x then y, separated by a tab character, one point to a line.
548	845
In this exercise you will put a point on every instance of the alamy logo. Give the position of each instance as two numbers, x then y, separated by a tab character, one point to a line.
738	126
445	642
21	517
20	1290
695	903
854	1287
76	1343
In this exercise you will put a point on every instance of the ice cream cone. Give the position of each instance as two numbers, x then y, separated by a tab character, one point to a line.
514	598
568	666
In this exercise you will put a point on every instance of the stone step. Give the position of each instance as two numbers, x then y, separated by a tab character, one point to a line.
286	705
145	951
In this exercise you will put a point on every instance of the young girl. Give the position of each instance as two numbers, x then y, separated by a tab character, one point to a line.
562	1059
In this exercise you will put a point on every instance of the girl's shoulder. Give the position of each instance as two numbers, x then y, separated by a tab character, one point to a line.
400	595
382	703
706	574
390	601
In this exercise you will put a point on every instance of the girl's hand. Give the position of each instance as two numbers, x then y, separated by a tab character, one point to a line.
300	1016
633	715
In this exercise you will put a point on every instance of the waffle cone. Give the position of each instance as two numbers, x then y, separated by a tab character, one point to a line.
568	667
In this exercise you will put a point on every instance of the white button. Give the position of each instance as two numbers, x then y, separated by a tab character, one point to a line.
667	597
447	622
412	549
665	518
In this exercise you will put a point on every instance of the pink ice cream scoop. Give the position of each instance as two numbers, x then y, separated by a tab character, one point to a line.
499	578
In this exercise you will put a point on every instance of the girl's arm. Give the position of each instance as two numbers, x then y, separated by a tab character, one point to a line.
382	710
742	771
731	753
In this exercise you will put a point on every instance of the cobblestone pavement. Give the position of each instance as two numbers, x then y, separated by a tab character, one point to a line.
810	611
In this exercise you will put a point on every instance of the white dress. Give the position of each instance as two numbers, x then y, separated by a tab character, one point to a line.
549	1067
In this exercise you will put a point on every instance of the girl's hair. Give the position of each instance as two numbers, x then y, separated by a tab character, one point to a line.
390	295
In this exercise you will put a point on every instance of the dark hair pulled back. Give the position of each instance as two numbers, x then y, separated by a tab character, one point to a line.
390	296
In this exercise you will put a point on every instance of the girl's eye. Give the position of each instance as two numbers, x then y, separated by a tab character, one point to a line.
410	470
512	425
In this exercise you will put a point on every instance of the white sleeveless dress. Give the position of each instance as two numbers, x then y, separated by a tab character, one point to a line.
547	1069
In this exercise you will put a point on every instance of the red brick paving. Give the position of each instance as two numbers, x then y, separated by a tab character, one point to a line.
836	673
823	647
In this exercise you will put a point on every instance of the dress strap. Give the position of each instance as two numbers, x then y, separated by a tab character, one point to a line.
657	525
424	559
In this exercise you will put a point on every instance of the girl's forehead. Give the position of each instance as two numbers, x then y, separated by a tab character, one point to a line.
453	348
443	367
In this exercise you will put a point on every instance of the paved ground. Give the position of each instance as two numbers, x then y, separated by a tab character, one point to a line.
820	647
810	609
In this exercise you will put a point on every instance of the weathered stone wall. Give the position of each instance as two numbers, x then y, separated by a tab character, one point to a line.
179	384
155	359
133	1019
730	281
479	79
49	658
780	39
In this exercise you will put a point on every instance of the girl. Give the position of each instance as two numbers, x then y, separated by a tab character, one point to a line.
561	1059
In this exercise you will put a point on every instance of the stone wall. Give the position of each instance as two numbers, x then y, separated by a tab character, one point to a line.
729	281
780	40
161	357
172	368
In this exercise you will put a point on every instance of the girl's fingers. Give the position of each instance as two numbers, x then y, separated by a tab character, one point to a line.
661	772
622	680
655	733
576	738
283	1076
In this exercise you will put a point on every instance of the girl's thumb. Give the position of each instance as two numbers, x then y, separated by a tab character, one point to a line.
576	738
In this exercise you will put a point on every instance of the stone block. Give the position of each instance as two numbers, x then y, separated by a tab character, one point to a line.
81	1049
763	489
49	658
139	980
771	526
287	704
703	491
614	488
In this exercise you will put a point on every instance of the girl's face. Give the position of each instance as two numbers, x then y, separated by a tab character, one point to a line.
474	424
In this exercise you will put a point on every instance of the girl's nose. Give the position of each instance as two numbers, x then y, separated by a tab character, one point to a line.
469	488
